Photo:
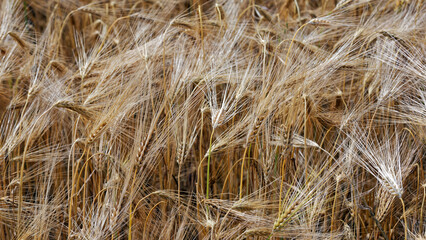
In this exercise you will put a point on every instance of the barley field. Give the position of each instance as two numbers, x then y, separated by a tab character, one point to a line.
227	119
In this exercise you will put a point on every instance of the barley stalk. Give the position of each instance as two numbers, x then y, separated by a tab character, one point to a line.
285	215
94	134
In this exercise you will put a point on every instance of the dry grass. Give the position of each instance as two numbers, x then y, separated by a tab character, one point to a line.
192	119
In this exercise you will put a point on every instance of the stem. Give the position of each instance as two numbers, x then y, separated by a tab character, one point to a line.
84	186
333	209
248	171
405	218
147	217
201	30
179	170
305	132
421	209
242	172
291	43
208	166
282	185
130	223
26	12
